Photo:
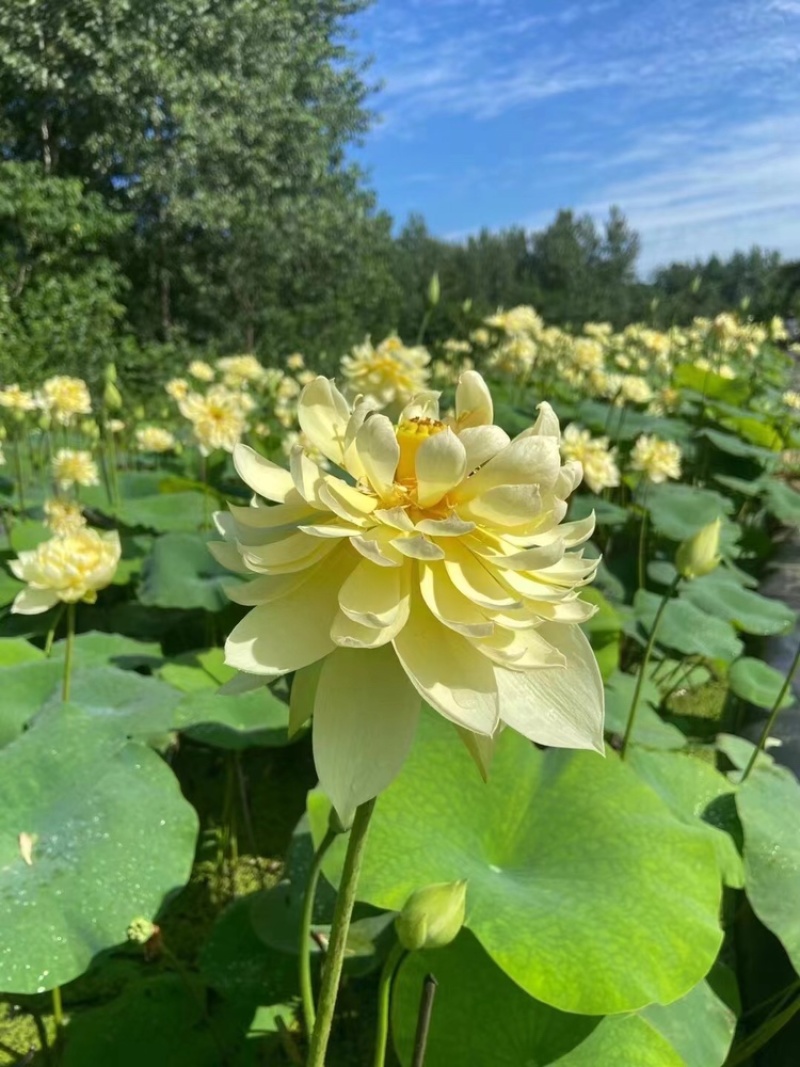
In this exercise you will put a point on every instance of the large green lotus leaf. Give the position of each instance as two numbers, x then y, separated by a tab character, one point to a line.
162	1021
698	794
238	964
481	1017
768	803
709	384
234	722
198	670
95	648
758	683
27	534
606	513
783	502
26	686
722	595
94	832
649	729
9	587
125	703
744	486
583	886
17	650
180	572
165	513
133	485
687	629
755	429
678	510
735	446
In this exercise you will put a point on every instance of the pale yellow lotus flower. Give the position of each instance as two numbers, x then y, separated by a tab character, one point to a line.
155	439
63	517
658	460
296	361
201	370
440	569
218	418
16	399
74	467
63	398
600	470
68	569
239	371
791	399
177	388
387	376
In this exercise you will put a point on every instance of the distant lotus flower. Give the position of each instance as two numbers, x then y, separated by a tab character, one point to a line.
63	517
658	460
218	418
68	569
442	571
389	375
16	399
201	370
64	398
74	467
600	470
155	439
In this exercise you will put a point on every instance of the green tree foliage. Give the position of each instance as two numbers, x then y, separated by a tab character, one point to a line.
59	293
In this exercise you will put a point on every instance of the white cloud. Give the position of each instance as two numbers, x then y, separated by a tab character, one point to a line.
713	192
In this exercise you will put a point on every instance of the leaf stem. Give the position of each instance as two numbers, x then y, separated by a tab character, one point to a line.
760	1037
306	986
390	967
773	715
58	1008
644	665
68	652
341	924
424	1021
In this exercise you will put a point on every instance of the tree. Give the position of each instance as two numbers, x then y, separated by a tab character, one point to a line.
59	293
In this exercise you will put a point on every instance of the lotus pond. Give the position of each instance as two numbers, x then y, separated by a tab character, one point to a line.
203	712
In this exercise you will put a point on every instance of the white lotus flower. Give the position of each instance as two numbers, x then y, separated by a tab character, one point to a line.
438	567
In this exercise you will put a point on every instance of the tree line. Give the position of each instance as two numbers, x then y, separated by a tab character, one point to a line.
175	174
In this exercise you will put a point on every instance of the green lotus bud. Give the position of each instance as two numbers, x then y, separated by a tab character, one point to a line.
112	398
89	428
141	930
699	555
434	290
466	307
745	304
696	283
433	916
44	422
138	413
110	374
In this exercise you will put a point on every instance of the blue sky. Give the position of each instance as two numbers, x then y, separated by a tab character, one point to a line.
685	113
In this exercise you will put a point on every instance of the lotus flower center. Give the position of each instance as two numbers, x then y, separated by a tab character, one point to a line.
410	435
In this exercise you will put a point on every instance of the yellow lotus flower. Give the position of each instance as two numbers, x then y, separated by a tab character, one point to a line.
69	568
218	418
600	470
201	370
155	439
442	569
74	467
64	398
658	460
177	388
238	371
16	399
387	376
63	517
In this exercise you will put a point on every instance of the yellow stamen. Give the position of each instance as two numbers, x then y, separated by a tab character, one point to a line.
410	435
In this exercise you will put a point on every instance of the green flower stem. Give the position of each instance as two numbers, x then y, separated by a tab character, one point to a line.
424	1021
306	987
58	1009
345	900
773	715
644	665
642	544
68	652
51	633
20	474
393	961
744	1052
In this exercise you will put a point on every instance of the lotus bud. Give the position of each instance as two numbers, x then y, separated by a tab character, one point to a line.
434	290
112	398
110	374
138	413
699	555
90	429
3	432
45	422
696	283
466	307
433	916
